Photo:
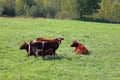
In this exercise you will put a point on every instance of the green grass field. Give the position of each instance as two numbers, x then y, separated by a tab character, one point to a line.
101	39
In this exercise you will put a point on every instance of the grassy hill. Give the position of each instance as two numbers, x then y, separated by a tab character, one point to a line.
101	39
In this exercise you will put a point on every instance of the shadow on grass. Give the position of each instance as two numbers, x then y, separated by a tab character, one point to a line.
58	57
53	57
88	52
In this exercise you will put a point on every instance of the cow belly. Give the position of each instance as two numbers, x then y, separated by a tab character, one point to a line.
78	51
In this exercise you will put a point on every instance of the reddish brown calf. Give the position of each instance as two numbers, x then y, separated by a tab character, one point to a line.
79	48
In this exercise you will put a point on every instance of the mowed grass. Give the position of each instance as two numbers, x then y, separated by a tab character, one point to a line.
101	39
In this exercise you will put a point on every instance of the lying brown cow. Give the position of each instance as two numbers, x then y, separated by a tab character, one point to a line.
79	48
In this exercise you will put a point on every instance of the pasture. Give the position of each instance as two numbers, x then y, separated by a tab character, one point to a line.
101	39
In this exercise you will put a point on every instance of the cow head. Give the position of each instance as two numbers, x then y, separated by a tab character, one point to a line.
59	39
74	44
24	46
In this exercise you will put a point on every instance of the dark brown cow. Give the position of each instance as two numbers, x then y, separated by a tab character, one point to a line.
47	44
79	48
54	43
39	48
26	46
42	46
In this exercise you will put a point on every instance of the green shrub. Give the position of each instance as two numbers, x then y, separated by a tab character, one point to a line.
116	11
110	11
33	11
63	15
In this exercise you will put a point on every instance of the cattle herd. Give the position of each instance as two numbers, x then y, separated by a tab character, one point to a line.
43	47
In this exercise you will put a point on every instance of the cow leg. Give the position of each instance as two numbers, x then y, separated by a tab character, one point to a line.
36	53
54	54
43	53
28	55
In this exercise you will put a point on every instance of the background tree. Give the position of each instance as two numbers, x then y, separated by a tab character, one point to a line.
110	11
63	9
87	7
52	7
41	9
68	9
19	7
7	7
116	11
2	4
33	11
106	8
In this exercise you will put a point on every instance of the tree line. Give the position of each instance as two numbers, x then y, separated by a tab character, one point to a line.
101	10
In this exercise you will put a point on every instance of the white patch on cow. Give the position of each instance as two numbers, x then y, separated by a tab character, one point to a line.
43	44
59	42
28	48
37	52
34	41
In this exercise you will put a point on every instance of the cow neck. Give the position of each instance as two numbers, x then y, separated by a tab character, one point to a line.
27	48
58	41
77	44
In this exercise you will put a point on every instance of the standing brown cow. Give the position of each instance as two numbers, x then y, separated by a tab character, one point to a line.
30	51
42	47
52	44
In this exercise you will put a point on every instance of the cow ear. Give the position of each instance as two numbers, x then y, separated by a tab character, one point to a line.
31	42
62	38
24	43
74	41
59	38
